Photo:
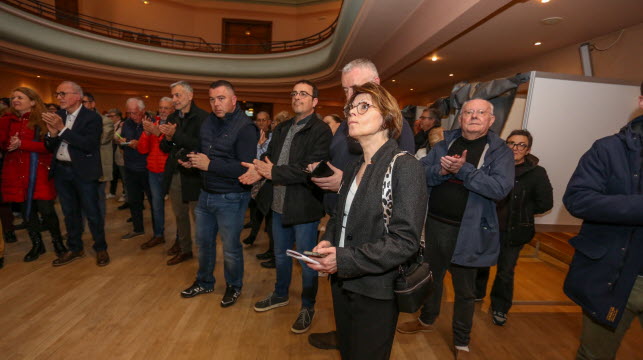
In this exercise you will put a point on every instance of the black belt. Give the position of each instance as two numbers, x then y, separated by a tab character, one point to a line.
64	163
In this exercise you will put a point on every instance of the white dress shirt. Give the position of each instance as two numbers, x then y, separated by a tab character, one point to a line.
63	151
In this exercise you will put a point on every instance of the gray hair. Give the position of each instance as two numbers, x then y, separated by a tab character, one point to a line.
487	101
361	63
186	85
139	103
116	112
74	86
165	99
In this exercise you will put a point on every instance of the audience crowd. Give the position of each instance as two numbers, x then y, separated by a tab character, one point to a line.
469	194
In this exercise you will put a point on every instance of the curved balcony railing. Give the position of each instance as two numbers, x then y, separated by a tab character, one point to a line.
160	38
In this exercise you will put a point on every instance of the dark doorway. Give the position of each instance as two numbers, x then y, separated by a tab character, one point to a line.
67	12
249	36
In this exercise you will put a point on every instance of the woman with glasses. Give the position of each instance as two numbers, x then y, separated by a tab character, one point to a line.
25	171
358	250
532	194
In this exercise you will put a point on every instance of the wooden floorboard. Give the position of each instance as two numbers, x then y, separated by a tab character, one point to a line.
131	309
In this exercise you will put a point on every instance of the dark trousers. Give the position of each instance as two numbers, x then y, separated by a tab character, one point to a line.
441	240
365	326
75	194
116	175
6	216
502	291
138	184
256	218
49	217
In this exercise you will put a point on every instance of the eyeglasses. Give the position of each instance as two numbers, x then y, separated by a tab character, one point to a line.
62	94
520	146
362	107
300	93
479	112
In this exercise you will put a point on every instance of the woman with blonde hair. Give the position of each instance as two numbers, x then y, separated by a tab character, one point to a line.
25	171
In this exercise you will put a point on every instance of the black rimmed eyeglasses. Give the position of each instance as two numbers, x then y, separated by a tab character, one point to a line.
362	107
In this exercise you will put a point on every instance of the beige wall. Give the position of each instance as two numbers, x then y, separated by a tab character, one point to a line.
622	61
204	19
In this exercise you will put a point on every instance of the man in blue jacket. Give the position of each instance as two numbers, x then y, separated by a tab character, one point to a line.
606	274
466	173
227	138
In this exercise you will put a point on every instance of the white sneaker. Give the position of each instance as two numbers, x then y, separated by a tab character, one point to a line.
121	199
110	196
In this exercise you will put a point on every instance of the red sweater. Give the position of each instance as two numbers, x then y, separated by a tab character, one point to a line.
149	144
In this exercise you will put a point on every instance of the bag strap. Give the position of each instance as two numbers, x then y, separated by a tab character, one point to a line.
387	204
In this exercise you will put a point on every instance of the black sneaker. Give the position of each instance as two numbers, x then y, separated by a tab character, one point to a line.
270	264
195	290
271	302
499	318
304	320
230	297
265	255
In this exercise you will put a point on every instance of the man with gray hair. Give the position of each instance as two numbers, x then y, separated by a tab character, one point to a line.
135	164
74	137
467	173
181	136
149	144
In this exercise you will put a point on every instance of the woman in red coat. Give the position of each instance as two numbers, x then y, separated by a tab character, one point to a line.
25	172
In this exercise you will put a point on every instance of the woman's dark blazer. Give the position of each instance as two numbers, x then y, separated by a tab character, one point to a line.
368	262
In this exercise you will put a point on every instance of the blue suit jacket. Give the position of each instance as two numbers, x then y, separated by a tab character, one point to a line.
84	144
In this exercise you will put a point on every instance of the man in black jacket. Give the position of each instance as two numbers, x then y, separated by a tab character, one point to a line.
76	167
180	137
228	138
296	205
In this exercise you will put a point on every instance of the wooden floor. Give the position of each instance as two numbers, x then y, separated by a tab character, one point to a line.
131	309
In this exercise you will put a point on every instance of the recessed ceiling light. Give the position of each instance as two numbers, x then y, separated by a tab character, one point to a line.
434	58
147	96
450	74
38	76
146	2
393	80
411	89
552	20
537	43
544	1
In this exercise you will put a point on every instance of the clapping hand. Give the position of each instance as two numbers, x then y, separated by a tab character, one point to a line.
452	164
54	123
14	143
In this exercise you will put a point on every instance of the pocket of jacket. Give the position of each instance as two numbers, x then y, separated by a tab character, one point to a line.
587	247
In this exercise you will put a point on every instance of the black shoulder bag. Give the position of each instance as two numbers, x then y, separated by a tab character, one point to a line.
414	282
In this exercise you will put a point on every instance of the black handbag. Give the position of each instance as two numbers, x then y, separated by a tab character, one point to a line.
415	280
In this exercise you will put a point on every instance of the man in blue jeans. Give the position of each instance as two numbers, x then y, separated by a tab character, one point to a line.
227	138
295	203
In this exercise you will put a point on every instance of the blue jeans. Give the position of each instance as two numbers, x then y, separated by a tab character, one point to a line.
225	213
305	236
158	202
75	194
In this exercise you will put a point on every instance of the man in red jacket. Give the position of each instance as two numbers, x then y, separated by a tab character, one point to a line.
149	144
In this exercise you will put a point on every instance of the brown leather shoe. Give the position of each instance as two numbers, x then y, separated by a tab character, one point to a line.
180	258
155	240
102	258
68	257
174	250
414	326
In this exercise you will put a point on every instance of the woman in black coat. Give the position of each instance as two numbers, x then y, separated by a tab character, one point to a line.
532	194
362	256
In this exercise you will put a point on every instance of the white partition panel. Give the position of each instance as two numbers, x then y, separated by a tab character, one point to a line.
566	114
